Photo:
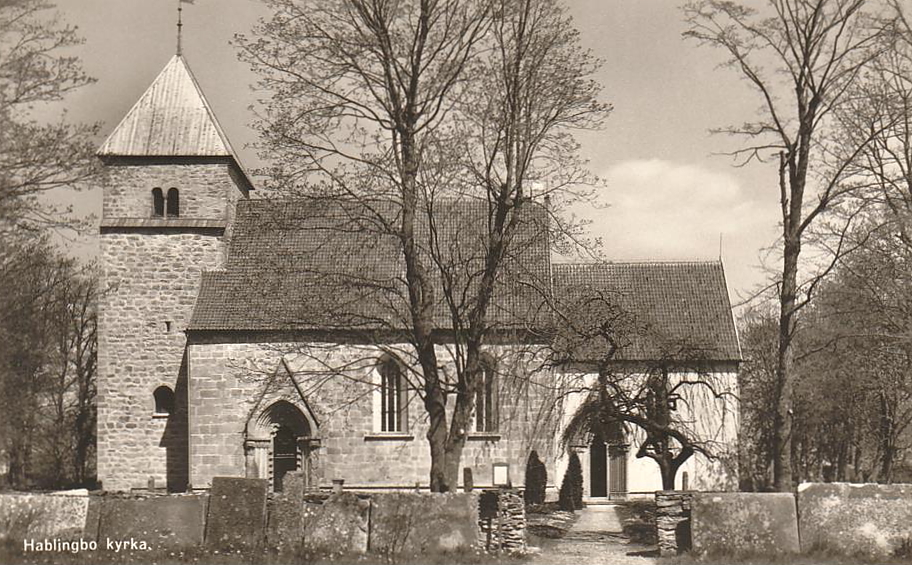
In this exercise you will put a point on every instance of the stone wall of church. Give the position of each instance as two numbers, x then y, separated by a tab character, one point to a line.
152	280
228	378
206	190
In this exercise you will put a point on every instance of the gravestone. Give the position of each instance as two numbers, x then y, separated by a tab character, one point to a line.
285	528
237	513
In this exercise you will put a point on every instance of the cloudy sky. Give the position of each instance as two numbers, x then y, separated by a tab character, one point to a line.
670	194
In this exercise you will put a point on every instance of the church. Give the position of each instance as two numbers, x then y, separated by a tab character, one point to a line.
217	356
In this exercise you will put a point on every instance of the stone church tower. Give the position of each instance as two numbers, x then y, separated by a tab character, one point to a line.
169	199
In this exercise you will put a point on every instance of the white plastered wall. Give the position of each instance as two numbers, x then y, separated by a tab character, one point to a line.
713	420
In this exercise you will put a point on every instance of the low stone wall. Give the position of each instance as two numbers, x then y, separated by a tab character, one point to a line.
39	516
856	519
162	522
502	520
414	523
673	521
240	513
744	523
338	524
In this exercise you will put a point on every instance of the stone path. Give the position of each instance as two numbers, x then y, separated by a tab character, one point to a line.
597	538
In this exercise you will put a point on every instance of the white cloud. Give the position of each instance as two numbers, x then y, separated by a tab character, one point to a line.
664	210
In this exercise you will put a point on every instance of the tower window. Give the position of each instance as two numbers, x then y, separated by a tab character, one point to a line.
164	400
392	395
173	203
158	203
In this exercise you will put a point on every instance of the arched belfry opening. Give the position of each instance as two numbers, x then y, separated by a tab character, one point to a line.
281	439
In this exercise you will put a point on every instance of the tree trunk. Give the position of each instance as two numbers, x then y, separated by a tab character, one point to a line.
888	446
792	191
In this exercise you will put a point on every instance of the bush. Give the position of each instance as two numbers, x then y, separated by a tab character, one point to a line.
536	480
571	491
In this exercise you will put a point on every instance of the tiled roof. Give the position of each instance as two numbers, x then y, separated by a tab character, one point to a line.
310	264
171	119
674	305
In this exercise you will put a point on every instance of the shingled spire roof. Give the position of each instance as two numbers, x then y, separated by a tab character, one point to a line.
171	119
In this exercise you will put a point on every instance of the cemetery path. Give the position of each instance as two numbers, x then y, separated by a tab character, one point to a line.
597	538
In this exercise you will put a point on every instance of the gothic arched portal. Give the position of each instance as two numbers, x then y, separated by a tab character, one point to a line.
279	442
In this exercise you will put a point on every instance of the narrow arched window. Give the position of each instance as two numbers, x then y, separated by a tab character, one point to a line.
164	400
173	203
486	397
158	203
392	395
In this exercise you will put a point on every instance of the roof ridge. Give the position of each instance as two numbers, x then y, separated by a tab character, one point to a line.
645	262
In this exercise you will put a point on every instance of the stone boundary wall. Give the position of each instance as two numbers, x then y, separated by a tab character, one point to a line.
872	521
43	516
673	521
348	522
869	520
744	523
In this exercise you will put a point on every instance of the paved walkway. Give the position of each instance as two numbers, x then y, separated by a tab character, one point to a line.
597	538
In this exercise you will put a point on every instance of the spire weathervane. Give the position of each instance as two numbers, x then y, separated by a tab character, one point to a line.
180	23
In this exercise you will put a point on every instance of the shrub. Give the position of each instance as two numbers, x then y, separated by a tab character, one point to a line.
536	480
571	491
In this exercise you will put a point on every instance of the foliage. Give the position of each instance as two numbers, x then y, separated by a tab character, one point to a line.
536	480
48	352
37	157
570	496
801	57
853	403
391	112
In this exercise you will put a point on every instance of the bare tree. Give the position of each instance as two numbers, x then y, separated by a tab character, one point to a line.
36	157
678	407
376	112
800	57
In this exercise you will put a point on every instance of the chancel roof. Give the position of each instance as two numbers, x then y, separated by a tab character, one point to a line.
676	308
171	119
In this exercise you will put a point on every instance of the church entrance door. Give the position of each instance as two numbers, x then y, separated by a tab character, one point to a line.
617	471
598	468
284	455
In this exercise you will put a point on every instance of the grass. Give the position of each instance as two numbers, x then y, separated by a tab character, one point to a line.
819	558
11	554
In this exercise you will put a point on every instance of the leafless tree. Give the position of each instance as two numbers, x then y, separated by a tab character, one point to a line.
800	57
670	396
36	157
397	116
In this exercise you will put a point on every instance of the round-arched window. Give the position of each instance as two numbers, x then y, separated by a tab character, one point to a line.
164	400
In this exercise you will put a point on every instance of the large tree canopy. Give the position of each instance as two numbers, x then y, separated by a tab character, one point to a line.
414	105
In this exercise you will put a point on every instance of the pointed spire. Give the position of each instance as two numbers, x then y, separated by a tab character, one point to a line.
172	118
